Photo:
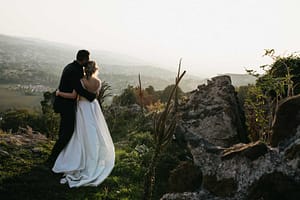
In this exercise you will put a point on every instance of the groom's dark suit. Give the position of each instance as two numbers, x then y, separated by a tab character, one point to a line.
70	80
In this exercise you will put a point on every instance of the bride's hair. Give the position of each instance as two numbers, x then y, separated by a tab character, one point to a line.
91	69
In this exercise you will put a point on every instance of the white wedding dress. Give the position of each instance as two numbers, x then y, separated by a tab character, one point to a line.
89	157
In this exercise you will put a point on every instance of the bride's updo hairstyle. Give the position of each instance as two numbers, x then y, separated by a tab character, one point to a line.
91	69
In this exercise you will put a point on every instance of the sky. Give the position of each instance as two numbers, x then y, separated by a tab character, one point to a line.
212	36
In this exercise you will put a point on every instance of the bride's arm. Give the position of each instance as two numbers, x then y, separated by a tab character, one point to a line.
67	95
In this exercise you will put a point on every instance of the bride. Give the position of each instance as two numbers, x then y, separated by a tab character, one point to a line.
90	155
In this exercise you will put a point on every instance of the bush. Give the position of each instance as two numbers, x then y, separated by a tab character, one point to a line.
13	119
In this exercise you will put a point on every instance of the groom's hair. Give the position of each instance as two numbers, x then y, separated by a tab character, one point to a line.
82	55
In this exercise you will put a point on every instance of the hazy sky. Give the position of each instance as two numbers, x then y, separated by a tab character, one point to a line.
212	36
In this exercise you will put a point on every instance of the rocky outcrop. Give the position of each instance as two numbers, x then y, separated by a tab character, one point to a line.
212	128
286	120
213	112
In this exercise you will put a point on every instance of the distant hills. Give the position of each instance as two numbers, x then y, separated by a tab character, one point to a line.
241	79
33	61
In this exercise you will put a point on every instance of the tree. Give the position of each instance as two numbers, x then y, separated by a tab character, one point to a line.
12	120
167	91
287	68
279	81
126	98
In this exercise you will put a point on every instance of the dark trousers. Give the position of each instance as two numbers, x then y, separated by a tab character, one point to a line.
66	129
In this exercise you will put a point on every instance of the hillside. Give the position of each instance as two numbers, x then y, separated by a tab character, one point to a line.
32	61
29	67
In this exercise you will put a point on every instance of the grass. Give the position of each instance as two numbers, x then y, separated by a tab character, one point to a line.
24	176
14	99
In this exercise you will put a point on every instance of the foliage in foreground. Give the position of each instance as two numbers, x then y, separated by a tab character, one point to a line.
280	80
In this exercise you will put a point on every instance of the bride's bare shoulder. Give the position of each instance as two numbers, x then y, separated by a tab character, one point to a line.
92	83
96	80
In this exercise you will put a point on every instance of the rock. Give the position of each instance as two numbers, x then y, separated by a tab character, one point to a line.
293	151
213	112
275	185
180	196
185	177
212	129
292	154
224	187
286	120
233	177
237	172
252	150
200	195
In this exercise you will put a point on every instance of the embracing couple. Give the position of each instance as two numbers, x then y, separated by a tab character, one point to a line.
84	152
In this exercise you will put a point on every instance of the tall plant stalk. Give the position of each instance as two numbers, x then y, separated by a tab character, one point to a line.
164	124
176	90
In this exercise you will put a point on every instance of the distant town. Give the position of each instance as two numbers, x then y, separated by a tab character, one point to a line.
30	89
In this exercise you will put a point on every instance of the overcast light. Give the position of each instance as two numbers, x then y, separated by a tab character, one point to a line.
213	37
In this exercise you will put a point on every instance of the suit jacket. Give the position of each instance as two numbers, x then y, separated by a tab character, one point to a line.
70	80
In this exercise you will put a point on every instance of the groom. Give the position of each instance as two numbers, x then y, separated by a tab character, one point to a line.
70	80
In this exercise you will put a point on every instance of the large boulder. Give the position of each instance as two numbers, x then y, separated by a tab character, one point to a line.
213	112
211	127
238	172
